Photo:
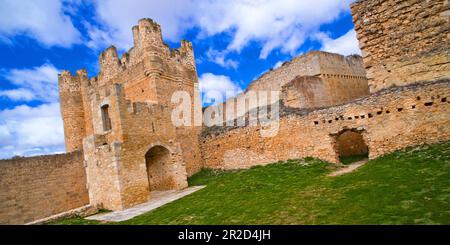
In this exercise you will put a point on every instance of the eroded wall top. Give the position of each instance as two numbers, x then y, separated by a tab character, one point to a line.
314	63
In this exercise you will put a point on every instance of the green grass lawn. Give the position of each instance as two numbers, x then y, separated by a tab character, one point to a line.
411	186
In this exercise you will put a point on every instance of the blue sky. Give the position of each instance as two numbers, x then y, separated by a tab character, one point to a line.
235	41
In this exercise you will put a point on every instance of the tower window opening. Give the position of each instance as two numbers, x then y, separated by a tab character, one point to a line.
105	118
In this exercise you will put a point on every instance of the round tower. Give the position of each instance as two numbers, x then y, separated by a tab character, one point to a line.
71	104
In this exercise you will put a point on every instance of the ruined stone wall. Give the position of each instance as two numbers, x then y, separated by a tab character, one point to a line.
333	79
310	64
403	41
37	187
389	120
316	92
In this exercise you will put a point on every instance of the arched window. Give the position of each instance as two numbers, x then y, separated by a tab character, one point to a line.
105	118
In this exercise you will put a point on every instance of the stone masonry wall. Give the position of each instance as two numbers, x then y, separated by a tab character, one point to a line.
37	187
338	78
389	120
403	41
310	64
316	92
116	159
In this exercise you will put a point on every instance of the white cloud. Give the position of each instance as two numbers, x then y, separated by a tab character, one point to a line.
346	44
19	94
218	57
278	64
116	18
37	83
43	20
26	130
275	24
211	85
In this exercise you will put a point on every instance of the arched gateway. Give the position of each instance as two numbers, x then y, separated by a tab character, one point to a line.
351	146
164	169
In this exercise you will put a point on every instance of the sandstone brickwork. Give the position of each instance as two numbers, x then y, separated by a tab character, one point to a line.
116	160
403	41
37	187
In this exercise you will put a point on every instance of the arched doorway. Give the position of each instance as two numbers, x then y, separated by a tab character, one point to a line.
351	147
160	169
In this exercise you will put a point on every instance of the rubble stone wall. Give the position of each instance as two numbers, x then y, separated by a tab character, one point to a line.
388	120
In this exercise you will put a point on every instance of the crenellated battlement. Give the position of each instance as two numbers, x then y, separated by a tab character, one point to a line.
71	90
109	64
149	49
147	34
68	82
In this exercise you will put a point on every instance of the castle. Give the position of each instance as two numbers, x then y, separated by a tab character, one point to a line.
122	144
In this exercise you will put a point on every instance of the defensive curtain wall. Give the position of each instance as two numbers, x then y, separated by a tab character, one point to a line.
383	122
332	79
37	187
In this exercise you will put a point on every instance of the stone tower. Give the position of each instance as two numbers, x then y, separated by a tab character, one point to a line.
121	119
72	109
412	47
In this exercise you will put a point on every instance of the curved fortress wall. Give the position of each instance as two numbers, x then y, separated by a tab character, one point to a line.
403	41
388	120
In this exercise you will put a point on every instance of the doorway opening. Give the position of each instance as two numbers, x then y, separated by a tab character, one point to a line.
351	147
160	169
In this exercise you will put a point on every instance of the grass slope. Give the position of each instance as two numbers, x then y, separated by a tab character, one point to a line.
411	186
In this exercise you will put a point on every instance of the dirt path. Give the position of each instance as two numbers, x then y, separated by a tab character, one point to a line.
348	168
